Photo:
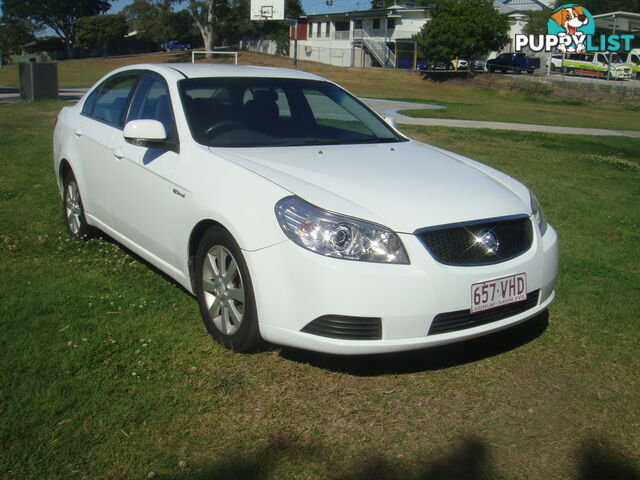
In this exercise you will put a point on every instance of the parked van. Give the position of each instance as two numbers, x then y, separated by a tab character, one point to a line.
596	64
633	60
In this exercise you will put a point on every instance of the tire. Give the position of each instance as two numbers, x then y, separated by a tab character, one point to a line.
73	209
225	293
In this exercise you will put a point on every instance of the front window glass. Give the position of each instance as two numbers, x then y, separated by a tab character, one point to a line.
248	112
114	97
152	102
90	102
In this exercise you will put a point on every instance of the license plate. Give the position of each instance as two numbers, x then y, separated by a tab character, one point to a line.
498	292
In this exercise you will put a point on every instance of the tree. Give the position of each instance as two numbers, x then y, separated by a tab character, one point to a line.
462	28
14	33
59	15
228	21
204	14
156	21
99	30
597	7
537	22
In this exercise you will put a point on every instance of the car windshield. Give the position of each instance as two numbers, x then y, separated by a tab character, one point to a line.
615	58
251	112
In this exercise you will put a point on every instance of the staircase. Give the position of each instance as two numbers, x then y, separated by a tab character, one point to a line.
379	50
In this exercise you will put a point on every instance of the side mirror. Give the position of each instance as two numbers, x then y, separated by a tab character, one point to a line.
145	133
391	121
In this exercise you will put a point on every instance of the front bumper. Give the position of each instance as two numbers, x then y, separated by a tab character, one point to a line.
294	286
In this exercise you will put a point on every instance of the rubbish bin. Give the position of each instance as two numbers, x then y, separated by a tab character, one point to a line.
38	81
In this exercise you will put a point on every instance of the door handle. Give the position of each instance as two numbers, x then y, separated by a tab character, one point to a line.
118	153
77	132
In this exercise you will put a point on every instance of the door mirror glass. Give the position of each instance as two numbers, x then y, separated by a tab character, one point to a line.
145	133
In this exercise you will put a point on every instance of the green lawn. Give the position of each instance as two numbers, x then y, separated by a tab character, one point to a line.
522	103
107	371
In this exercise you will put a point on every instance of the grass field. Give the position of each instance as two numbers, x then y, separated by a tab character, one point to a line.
511	102
107	371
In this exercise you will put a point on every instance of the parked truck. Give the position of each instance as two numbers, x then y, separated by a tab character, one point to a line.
172	45
516	62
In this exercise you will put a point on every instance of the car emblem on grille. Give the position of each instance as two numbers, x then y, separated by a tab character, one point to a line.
487	240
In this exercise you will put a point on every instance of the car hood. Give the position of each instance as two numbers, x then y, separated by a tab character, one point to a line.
404	186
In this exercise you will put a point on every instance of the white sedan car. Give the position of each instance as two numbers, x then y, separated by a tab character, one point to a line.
296	215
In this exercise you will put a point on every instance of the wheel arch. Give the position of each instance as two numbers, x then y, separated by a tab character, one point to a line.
194	240
64	167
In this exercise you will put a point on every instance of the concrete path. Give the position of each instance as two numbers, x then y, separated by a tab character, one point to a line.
521	127
391	107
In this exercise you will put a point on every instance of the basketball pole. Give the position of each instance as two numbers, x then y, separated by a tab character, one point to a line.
294	22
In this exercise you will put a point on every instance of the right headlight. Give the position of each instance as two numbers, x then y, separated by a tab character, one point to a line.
336	235
538	214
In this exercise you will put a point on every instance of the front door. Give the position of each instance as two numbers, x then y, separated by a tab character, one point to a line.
142	195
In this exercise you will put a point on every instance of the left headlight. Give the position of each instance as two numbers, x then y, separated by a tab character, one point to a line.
538	214
338	236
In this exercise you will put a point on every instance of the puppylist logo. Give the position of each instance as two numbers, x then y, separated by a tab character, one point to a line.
571	28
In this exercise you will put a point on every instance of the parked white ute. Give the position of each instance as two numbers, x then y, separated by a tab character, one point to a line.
298	216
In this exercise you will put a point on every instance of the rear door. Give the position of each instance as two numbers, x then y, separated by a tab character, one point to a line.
102	116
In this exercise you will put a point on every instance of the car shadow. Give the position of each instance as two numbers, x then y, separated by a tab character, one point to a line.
435	358
469	457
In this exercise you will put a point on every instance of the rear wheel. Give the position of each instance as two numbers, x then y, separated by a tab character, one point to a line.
225	293
73	209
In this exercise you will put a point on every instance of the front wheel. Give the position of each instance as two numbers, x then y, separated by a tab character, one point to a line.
73	209
225	293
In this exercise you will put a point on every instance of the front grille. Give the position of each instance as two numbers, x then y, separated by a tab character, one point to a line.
453	321
483	242
346	328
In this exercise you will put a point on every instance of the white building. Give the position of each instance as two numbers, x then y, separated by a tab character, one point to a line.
382	37
376	37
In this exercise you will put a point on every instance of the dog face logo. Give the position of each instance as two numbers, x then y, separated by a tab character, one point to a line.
573	21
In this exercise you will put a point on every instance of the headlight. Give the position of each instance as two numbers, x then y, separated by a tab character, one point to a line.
538	214
336	235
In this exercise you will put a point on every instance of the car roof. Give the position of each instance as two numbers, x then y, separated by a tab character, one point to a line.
201	70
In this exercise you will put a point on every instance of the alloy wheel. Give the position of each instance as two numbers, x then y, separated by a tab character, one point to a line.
223	289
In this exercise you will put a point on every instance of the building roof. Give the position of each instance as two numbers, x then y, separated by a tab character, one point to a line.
529	4
623	21
392	11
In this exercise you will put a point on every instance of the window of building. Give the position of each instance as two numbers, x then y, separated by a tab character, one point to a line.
328	29
376	24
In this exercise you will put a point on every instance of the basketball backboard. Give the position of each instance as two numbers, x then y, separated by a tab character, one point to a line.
267	10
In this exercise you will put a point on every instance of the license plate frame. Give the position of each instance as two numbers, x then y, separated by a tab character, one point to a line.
497	292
